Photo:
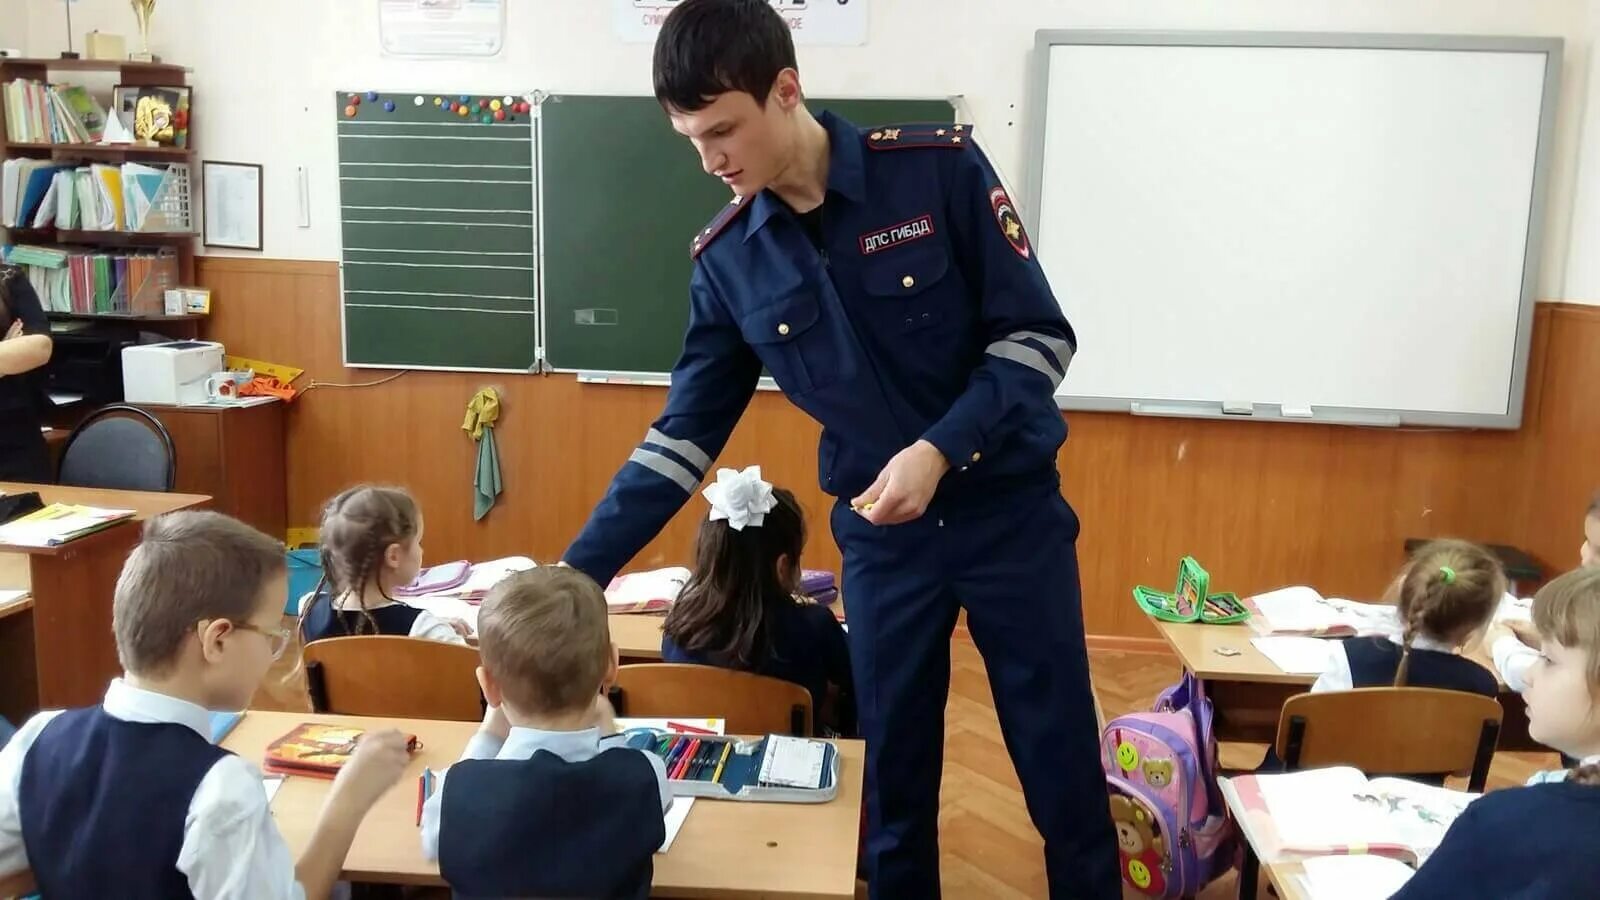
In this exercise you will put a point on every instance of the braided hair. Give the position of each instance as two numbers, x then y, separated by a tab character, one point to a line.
1448	590
358	527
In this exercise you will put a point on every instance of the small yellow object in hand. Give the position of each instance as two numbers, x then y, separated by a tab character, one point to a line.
863	508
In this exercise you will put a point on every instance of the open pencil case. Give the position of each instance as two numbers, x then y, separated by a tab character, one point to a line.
1192	601
737	776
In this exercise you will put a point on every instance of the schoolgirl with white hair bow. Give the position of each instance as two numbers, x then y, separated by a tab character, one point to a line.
740	608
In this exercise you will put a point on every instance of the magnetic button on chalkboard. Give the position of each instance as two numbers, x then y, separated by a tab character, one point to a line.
908	281
783	327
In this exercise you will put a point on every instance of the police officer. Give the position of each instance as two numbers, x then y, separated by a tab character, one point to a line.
883	278
25	347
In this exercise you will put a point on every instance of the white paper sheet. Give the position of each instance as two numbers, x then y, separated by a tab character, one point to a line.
675	816
1295	655
1354	877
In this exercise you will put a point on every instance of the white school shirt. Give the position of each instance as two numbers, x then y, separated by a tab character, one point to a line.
1513	658
572	746
1553	775
1337	677
231	847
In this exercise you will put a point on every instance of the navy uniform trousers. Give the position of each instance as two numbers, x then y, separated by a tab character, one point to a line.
1014	569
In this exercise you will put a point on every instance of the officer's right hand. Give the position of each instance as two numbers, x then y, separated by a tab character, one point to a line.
905	486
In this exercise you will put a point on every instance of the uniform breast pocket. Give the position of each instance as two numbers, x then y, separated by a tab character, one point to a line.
912	288
801	346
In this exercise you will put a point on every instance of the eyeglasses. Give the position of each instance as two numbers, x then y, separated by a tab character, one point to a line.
277	638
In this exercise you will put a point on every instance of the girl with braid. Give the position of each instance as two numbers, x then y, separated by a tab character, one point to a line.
1444	598
371	544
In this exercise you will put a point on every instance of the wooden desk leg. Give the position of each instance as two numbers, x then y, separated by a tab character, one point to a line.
1249	872
75	651
19	681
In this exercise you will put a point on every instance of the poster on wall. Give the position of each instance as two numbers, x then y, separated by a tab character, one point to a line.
833	22
441	28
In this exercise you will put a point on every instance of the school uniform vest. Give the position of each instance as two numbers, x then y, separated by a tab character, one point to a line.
103	804
546	827
1373	662
323	621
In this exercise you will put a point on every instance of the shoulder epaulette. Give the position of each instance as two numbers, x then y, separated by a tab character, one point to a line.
899	137
724	217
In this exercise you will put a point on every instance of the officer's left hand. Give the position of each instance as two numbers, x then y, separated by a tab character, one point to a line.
905	486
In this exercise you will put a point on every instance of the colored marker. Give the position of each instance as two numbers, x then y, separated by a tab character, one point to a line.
727	748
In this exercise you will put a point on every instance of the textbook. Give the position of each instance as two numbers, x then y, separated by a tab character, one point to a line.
58	523
1340	812
1302	611
643	592
315	750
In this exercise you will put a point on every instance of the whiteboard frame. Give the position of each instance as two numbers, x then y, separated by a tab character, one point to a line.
1551	47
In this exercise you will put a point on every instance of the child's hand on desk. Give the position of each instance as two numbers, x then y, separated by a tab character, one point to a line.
460	627
380	758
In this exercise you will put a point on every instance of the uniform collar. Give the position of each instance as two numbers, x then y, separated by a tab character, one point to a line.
130	704
846	175
1423	642
572	746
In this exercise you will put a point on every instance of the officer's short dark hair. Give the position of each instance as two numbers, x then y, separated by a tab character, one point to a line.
710	47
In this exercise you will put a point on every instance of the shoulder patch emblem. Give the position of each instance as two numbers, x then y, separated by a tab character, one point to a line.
724	217
900	137
1010	223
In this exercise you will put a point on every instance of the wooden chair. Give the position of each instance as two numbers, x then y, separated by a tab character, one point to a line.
396	677
751	704
1385	731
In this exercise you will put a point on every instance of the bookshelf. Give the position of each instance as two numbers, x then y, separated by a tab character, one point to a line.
124	73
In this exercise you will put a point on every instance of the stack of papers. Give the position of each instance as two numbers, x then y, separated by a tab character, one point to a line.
59	523
653	591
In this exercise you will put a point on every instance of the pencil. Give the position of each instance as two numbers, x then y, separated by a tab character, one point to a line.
727	747
683	761
422	794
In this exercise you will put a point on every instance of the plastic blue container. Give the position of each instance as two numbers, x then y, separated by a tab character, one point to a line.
305	570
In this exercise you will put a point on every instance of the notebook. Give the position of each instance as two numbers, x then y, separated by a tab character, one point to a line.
315	750
653	591
792	762
1302	611
1340	812
1351	877
59	523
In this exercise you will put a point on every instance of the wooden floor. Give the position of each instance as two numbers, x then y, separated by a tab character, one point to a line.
989	850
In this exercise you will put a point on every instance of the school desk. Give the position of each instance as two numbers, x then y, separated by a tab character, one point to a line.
1287	877
726	848
1247	690
61	651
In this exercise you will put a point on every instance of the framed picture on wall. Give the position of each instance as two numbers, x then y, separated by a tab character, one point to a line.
231	195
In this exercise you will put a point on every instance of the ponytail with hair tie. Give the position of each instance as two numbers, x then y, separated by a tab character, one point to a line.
1447	575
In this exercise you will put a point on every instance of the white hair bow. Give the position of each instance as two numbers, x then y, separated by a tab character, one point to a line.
740	498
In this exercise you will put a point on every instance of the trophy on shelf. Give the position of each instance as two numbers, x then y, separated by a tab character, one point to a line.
143	10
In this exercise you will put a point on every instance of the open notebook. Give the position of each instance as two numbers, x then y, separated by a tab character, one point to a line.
1302	611
1340	812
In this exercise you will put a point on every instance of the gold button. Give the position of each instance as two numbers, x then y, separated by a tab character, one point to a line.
908	281
783	328
977	456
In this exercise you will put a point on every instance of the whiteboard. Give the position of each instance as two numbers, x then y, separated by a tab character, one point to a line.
1339	228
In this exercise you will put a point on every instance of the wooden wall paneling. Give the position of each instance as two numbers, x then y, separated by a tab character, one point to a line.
1260	504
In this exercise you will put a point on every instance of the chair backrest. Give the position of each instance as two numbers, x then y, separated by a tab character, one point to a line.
121	447
1392	731
751	704
396	677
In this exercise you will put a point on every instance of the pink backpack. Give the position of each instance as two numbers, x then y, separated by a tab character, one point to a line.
1173	832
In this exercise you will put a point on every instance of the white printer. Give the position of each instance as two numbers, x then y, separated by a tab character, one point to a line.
174	372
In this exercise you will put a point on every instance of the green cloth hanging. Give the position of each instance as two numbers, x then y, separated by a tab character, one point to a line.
483	411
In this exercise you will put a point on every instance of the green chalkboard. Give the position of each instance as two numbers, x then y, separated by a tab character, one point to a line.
623	194
437	217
